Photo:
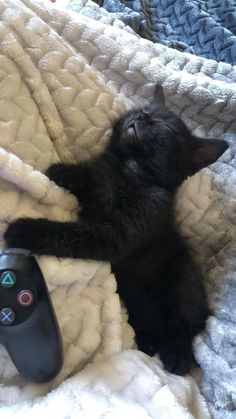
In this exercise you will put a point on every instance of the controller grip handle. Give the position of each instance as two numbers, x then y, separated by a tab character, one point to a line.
35	345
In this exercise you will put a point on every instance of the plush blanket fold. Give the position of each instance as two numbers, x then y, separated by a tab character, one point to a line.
63	80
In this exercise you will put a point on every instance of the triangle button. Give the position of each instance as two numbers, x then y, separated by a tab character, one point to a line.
8	279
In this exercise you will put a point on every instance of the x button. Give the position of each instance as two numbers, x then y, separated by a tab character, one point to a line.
7	316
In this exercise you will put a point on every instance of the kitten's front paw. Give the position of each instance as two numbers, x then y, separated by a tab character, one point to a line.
146	343
56	173
178	359
23	233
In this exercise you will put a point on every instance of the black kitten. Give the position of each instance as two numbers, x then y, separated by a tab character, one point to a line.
127	219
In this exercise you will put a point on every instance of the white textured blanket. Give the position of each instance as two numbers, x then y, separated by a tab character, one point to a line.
63	80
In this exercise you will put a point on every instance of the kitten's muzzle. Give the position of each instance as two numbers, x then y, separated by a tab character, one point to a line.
132	127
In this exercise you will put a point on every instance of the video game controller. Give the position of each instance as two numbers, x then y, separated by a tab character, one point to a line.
28	325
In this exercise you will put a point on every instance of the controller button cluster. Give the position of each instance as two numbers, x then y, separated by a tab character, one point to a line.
25	298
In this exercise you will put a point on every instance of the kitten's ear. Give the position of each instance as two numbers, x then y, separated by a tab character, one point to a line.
158	96
206	152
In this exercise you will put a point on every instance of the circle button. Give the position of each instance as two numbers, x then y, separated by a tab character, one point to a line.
8	279
7	316
25	298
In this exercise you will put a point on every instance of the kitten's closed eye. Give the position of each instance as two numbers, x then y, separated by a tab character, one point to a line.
171	128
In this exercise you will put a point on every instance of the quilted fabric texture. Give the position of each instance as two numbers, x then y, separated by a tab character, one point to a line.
205	28
64	78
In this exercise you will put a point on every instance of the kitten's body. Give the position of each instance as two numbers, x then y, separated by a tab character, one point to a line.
127	218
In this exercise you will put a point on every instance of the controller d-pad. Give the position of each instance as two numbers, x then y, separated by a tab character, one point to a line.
8	279
7	316
25	298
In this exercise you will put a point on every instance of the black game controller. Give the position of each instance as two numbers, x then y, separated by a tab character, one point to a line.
28	325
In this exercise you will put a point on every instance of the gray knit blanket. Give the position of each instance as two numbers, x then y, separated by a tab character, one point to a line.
203	27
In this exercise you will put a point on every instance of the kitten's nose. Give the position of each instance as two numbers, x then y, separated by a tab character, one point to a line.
130	124
139	116
145	115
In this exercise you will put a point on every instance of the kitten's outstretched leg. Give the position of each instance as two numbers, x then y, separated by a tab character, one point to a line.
93	240
68	239
72	239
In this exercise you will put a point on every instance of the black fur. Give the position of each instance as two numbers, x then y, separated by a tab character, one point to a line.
127	219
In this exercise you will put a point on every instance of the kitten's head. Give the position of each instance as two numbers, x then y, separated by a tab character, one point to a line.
161	144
